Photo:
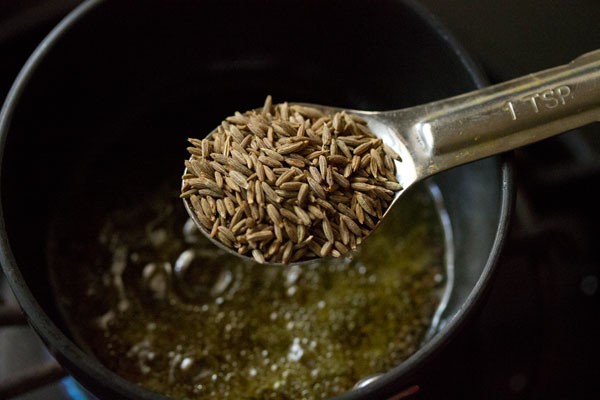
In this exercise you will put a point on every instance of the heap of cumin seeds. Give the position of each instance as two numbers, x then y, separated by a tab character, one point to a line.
290	183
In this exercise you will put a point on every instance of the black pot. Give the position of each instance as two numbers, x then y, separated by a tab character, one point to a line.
115	74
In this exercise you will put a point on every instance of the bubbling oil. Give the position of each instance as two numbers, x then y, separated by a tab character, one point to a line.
158	304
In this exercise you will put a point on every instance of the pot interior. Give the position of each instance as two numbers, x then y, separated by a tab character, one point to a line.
126	84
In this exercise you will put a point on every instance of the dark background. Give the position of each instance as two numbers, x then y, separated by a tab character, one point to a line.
511	37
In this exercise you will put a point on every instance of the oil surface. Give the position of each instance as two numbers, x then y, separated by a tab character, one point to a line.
161	306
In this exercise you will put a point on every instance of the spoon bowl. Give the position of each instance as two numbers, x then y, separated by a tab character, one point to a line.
440	135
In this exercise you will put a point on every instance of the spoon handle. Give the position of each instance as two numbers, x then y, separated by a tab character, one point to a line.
505	116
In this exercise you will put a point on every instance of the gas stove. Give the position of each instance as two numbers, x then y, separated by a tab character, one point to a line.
536	334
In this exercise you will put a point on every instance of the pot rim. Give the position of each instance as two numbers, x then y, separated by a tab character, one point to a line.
78	362
65	350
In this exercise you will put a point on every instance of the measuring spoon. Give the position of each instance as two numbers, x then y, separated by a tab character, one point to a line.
443	134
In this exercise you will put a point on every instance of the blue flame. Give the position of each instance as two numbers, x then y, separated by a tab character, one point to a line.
74	390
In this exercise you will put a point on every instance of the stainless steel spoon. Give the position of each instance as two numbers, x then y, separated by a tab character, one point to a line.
440	135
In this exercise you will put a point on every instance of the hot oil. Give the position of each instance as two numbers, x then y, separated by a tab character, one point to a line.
159	305
155	302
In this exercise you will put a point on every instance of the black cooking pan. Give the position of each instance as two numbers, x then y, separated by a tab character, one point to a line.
121	85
